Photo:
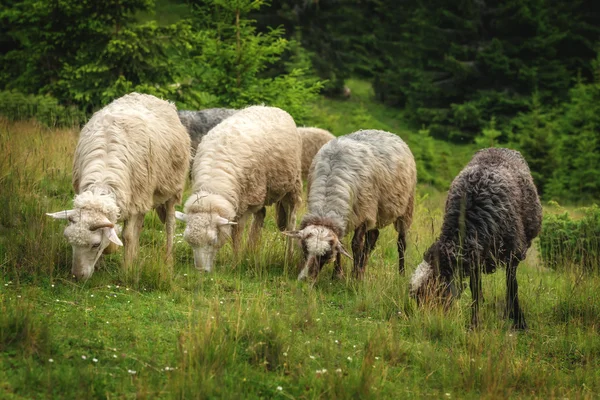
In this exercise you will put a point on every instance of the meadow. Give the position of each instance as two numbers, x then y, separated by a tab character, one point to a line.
249	329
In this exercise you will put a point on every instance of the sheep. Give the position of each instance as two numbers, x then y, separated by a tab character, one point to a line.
198	123
312	140
248	161
363	181
132	155
492	214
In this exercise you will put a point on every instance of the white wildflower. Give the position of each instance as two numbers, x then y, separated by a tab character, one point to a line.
279	388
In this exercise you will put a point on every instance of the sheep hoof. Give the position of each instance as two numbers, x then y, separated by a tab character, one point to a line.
520	326
339	275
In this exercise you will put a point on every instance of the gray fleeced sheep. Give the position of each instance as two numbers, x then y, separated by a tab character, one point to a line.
132	156
248	161
492	214
362	182
312	141
199	123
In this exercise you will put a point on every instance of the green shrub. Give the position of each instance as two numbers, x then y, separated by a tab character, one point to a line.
566	241
15	105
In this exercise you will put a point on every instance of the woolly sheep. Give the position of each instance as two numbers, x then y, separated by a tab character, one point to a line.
492	214
362	182
132	156
198	123
312	140
247	162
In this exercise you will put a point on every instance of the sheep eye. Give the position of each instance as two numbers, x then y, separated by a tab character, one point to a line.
96	245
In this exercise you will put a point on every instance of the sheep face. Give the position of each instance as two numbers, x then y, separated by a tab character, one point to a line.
89	233
433	280
428	287
206	233
320	245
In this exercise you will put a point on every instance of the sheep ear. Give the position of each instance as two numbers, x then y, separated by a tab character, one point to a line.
65	214
293	234
112	236
342	250
181	216
224	221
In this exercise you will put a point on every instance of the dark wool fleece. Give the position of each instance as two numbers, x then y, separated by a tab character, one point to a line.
492	208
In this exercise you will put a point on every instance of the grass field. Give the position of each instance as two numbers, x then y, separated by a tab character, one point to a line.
250	330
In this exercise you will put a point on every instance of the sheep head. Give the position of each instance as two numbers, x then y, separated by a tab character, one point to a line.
320	245
433	280
89	232
206	232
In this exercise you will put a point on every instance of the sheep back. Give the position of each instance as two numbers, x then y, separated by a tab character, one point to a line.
251	159
312	140
136	148
365	177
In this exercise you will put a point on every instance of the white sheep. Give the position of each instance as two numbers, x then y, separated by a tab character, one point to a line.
132	156
362	182
312	140
247	162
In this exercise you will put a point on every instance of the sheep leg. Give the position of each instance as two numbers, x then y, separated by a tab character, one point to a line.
512	296
169	220
286	218
236	234
358	247
131	238
338	271
256	228
370	241
401	249
162	213
475	285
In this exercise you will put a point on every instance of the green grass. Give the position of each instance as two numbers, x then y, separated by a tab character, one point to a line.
250	328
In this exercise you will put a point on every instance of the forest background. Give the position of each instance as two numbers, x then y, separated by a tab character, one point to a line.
449	76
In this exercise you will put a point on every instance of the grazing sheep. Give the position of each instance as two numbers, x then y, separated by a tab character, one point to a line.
312	140
247	162
362	182
492	214
132	156
198	123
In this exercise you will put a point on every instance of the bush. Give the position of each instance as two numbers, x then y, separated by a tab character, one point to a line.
566	241
17	106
